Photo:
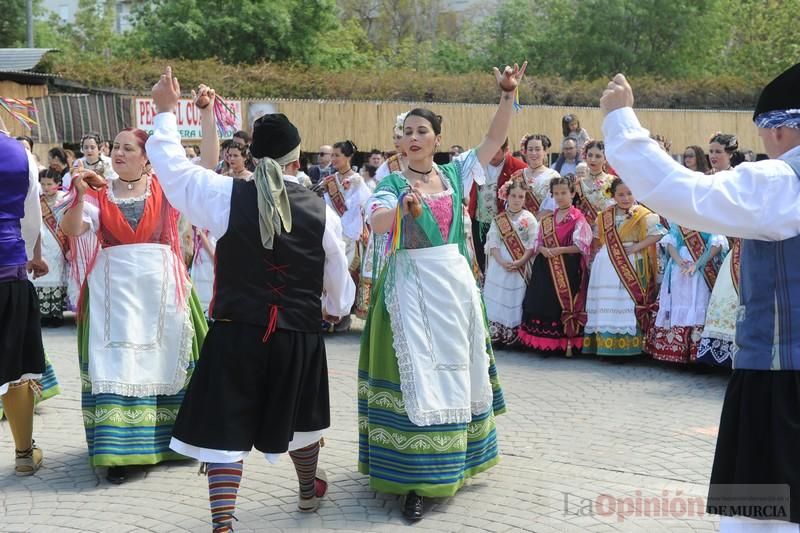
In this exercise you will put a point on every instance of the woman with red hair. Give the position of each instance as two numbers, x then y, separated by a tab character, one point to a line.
140	326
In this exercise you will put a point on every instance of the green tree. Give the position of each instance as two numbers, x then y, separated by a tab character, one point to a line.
12	23
764	39
91	33
663	37
247	31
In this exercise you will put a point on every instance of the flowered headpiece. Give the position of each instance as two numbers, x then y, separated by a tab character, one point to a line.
398	123
519	181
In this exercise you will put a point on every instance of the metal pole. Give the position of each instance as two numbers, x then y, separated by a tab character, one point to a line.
29	13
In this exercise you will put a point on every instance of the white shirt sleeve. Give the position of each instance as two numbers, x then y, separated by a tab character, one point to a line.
340	291
201	195
753	201
32	220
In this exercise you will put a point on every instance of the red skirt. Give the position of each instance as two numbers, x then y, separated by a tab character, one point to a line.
677	344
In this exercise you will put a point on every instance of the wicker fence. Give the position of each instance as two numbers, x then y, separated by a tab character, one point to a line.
369	124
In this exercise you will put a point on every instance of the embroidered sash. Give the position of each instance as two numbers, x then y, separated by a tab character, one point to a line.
50	221
336	196
697	247
532	203
584	204
643	297
512	242
394	163
736	262
573	315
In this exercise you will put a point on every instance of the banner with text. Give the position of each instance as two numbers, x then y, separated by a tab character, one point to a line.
188	117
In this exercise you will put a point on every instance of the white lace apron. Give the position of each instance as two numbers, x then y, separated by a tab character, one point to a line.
439	336
140	339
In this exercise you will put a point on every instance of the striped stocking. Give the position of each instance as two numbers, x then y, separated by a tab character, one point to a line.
223	486
305	463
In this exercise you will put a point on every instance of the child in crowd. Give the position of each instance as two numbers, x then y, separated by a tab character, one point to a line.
552	319
622	285
509	248
52	288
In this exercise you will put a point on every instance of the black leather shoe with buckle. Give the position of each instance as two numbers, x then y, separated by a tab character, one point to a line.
117	475
413	507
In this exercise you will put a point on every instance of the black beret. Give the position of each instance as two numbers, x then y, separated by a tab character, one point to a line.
780	94
274	136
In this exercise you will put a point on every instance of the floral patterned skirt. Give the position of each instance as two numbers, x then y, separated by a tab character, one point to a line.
52	301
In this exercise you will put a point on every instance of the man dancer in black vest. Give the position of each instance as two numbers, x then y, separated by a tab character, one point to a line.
261	380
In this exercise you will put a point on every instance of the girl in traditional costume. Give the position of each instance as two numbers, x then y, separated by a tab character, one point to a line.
52	288
140	326
93	158
717	345
537	175
509	248
553	310
346	193
591	190
692	265
622	286
237	155
375	252
427	386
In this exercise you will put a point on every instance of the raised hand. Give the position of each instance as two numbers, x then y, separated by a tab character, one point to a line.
618	94
508	80
166	92
204	96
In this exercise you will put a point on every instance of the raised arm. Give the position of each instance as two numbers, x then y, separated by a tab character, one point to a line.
203	196
752	201
209	144
507	81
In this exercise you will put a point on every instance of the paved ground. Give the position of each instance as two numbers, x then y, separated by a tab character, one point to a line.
580	437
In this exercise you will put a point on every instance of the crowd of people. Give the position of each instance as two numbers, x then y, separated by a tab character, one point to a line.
203	285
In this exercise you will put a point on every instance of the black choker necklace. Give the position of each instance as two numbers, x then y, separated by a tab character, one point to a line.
426	176
130	182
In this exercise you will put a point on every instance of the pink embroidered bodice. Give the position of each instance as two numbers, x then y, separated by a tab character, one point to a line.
441	205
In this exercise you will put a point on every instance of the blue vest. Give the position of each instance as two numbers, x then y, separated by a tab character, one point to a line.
14	183
769	303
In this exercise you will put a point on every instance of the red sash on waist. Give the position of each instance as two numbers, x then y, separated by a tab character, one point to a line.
645	299
697	247
50	221
512	242
573	314
335	194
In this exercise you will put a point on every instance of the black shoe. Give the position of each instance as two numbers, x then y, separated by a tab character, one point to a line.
117	475
343	325
413	507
